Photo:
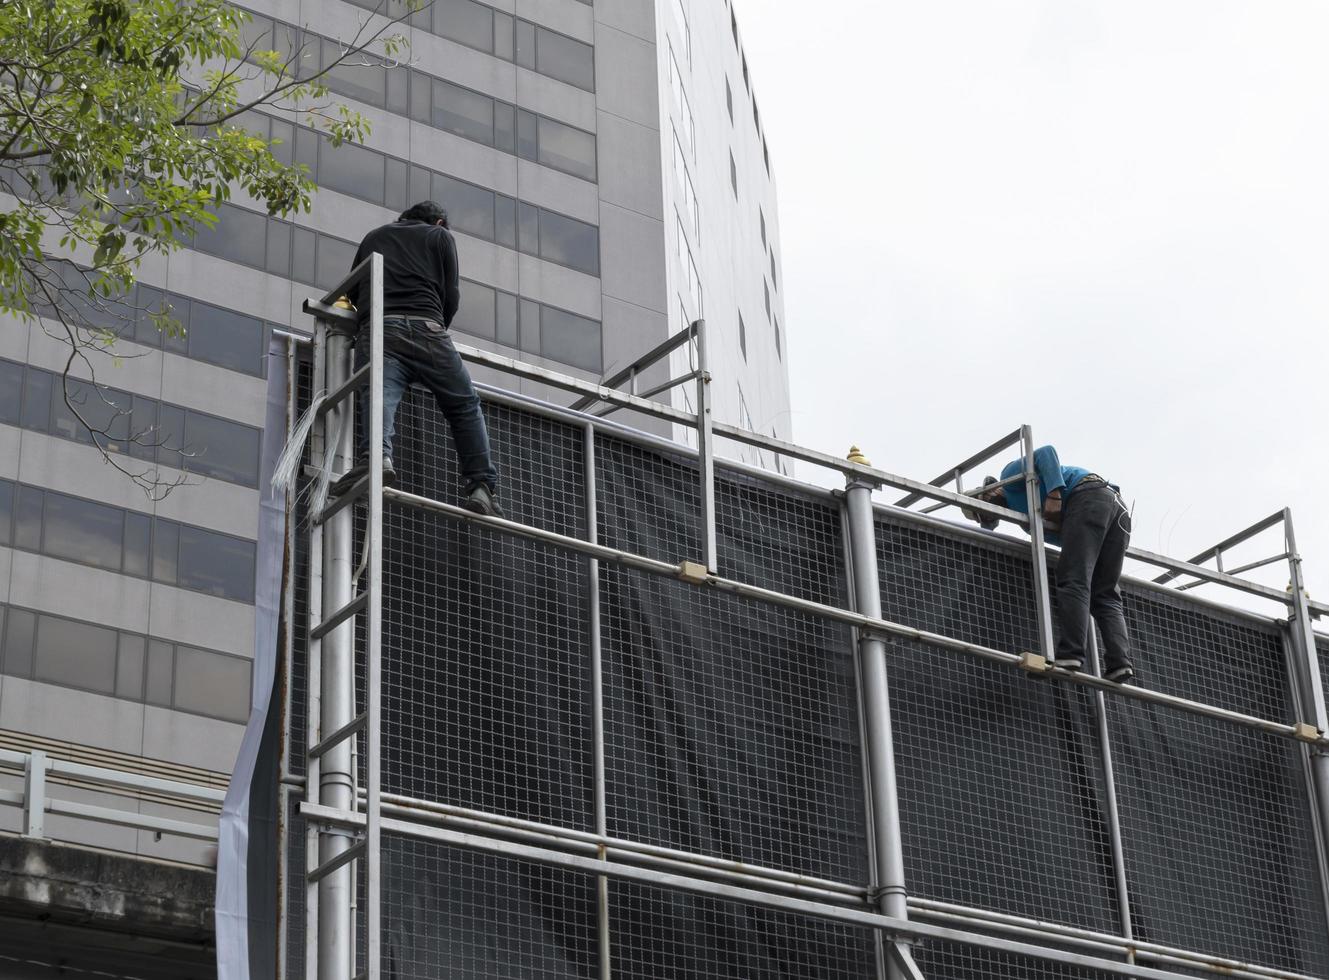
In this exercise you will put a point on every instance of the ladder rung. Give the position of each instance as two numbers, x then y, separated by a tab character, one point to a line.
344	500
343	389
352	853
350	728
340	616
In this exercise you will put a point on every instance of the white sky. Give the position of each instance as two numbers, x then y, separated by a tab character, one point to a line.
1106	219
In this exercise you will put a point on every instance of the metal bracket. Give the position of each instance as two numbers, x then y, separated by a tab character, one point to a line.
904	961
693	571
1035	663
1306	732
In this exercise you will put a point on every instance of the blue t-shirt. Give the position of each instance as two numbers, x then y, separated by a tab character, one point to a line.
1051	476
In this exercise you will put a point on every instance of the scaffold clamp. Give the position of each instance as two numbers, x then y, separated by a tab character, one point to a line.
693	571
1035	663
1304	731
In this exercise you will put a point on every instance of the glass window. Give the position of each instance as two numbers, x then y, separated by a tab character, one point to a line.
217	564
681	15
75	654
567	149
129	667
351	169
83	531
505	127
152	301
506	319
470	208
335	258
20	628
36	413
570	242
421	186
421	86
526	44
463	112
238	236
211	683
466	21
169	437
528	135
279	249
143	440
306	148
138	539
303	251
475	316
160	674
686	125
395	194
528	228
503	35
28	518
565	59
357	76
283	141
570	338
528	324
6	510
398	82
505	220
11	391
165	551
221	448
102	413
227	339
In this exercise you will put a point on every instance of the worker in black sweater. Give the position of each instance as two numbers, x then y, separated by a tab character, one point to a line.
420	298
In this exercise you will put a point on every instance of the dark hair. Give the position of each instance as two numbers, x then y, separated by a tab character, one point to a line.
430	212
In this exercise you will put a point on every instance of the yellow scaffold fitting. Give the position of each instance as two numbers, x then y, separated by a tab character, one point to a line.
344	303
693	571
1035	663
1306	732
856	456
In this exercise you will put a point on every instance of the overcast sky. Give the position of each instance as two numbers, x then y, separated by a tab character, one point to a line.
1106	219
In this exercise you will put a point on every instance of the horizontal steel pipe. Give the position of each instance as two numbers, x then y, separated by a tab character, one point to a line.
878	626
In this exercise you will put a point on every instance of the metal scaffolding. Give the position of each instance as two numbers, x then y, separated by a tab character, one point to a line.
338	760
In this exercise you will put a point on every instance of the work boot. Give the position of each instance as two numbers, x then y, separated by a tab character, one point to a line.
1121	675
482	500
1069	663
357	473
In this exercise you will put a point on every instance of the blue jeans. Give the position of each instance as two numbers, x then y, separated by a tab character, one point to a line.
420	350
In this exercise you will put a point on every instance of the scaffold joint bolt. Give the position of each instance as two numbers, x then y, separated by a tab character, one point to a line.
693	571
1306	732
1035	663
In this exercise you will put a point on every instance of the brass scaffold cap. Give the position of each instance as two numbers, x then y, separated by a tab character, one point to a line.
343	303
856	456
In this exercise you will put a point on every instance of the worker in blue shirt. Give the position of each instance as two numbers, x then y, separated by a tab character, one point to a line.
1083	513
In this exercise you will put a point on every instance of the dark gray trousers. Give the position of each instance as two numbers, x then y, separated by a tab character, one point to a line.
1095	531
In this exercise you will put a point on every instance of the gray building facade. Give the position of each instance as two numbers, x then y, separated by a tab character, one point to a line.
608	180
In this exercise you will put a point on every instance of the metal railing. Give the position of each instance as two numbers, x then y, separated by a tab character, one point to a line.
346	821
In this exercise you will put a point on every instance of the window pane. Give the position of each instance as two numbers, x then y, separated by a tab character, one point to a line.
138	536
306	148
398	82
353	77
227	339
526	44
170	435
36	412
505	220
505	127
503	35
475	316
129	668
528	228
152	301
528	135
28	518
83	531
335	258
283	141
570	242
303	251
211	684
75	654
567	149
528	324
470	208
20	625
222	448
352	170
143	439
565	59
279	249
161	670
395	191
238	236
465	21
6	510
464	113
102	413
570	338
420	186
217	564
421	86
11	391
506	319
165	551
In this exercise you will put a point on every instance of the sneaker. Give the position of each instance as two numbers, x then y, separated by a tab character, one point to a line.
1120	675
482	500
357	473
1069	663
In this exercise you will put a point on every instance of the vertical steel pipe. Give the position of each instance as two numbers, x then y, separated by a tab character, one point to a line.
597	693
705	450
1042	597
1110	791
887	848
336	787
374	632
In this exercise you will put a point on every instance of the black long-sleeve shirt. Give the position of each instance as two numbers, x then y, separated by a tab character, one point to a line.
420	270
